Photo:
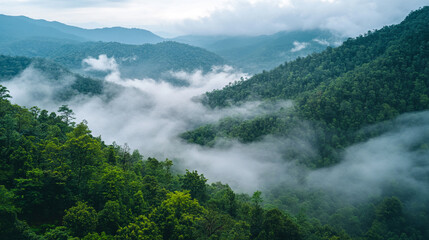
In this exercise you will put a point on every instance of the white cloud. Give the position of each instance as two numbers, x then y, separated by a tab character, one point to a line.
103	63
321	41
348	17
298	46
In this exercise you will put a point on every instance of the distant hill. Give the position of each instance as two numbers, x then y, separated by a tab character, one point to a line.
139	53
14	28
367	80
135	61
256	53
13	66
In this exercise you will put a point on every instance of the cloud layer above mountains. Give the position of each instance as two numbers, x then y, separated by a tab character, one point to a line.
254	17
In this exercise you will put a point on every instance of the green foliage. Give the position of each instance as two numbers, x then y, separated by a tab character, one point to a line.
141	228
196	184
58	233
111	217
176	216
80	219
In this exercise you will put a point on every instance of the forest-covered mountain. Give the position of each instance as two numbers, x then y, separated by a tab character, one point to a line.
137	52
23	36
366	80
14	28
69	84
253	54
134	61
57	181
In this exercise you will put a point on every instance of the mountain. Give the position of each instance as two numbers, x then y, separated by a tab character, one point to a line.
138	53
68	84
134	61
14	28
17	28
256	53
366	80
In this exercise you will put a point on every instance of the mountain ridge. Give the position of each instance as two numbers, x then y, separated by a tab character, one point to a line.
64	31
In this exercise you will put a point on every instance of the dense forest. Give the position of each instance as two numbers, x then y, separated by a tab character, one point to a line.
369	79
60	182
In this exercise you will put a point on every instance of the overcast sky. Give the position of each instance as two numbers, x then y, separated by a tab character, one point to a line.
252	17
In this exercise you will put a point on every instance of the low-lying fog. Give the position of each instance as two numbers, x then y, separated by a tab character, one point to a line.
149	115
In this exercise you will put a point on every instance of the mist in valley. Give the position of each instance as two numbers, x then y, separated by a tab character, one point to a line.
149	115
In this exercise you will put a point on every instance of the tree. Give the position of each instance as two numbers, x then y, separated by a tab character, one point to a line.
81	219
111	217
141	229
4	93
58	233
177	215
67	115
196	184
277	226
83	152
256	215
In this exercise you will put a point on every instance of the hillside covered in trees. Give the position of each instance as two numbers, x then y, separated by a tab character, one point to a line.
60	182
69	84
253	54
134	61
369	79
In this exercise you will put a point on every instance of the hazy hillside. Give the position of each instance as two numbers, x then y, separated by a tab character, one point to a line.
367	80
135	61
42	72
256	53
20	27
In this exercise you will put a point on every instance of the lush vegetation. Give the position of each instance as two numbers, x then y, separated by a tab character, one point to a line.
366	80
60	182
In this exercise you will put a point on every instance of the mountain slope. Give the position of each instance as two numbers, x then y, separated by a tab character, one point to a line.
367	80
135	61
17	28
256	53
68	83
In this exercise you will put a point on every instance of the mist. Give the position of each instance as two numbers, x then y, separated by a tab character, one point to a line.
149	114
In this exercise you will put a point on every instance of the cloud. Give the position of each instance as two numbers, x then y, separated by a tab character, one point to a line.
252	17
346	17
149	115
400	158
321	41
33	86
103	63
298	46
